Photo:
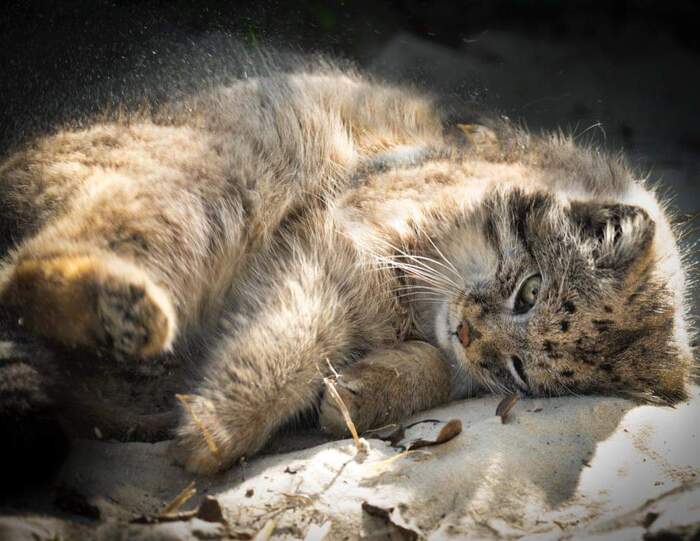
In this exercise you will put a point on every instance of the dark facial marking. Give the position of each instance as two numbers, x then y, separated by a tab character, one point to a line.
602	325
564	326
524	210
636	293
641	288
567	373
549	348
624	339
607	309
569	307
490	353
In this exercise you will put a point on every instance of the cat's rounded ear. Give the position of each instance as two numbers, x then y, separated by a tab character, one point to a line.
620	234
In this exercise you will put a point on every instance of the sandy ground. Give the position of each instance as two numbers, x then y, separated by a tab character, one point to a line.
563	468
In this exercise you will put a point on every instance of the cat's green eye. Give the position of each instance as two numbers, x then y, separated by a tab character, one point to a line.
527	296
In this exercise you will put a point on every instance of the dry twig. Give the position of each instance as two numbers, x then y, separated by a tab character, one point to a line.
179	500
360	443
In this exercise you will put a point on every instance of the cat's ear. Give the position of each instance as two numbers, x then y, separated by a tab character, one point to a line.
620	234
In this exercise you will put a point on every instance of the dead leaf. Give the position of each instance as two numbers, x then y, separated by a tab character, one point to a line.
450	430
505	405
417	435
393	433
210	510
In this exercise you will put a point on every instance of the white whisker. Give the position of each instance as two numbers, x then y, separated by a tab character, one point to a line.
447	261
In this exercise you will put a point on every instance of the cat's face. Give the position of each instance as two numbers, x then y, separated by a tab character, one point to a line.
558	298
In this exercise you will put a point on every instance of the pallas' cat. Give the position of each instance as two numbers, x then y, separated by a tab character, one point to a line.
299	221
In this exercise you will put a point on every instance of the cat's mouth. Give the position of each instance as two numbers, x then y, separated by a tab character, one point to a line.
515	368
509	374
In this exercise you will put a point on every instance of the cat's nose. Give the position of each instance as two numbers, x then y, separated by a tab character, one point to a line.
467	333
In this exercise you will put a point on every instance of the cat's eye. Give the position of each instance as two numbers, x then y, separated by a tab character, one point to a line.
527	296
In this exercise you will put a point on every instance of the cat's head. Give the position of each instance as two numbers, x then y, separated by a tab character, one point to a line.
555	297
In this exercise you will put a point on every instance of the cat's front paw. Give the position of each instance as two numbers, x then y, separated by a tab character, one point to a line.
203	444
192	453
91	301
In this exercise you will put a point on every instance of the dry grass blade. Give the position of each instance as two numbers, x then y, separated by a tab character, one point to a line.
382	465
179	500
267	530
298	499
333	391
506	405
211	444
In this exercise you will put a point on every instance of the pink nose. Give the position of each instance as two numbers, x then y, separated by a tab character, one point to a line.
464	333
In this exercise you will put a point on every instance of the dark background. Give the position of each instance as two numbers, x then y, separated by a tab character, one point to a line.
621	73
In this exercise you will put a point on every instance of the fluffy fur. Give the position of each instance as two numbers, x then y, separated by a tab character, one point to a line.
315	218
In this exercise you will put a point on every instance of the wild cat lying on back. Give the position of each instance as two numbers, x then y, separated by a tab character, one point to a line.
318	218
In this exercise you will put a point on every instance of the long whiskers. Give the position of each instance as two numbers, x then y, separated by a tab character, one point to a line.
420	287
420	259
448	263
422	268
418	269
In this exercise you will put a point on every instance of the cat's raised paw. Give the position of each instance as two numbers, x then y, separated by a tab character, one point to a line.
133	321
90	301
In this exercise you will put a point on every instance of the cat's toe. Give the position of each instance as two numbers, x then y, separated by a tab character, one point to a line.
202	444
135	319
195	456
